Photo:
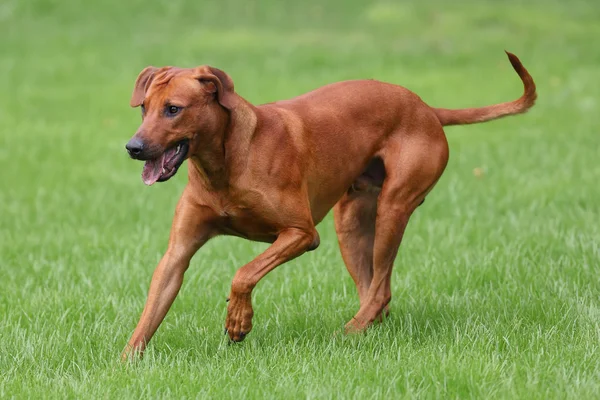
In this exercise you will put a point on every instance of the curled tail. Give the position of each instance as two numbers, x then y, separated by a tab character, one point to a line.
488	113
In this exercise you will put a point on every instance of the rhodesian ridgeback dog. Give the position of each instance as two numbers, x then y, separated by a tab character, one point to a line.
370	150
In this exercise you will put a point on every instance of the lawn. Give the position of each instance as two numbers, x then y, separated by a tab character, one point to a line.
496	289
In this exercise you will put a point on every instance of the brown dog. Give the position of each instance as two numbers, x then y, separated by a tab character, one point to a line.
368	149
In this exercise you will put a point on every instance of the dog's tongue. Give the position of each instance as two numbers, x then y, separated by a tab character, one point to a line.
152	170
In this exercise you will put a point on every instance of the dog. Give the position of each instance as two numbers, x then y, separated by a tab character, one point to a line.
370	150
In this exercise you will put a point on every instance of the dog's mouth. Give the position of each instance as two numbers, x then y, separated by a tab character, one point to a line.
163	167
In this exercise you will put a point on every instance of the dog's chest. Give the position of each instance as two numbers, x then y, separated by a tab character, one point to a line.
244	222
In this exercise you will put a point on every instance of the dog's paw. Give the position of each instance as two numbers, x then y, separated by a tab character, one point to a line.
354	326
132	354
239	318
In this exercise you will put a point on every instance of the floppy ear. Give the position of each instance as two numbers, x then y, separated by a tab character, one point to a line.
141	85
218	82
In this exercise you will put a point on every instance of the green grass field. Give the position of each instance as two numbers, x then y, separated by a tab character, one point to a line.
496	289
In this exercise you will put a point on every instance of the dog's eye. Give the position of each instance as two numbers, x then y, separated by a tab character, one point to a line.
172	110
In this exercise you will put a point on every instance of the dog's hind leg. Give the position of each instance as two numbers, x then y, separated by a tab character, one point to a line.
354	216
412	166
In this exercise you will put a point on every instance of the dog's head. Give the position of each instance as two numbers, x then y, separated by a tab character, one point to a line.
181	108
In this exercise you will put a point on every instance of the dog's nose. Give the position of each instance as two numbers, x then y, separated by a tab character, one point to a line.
134	147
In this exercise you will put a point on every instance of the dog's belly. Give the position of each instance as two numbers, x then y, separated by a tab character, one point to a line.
372	177
370	180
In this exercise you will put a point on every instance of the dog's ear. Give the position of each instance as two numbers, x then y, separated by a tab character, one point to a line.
219	83
141	85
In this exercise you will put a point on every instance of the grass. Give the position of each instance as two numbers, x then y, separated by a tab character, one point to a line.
496	286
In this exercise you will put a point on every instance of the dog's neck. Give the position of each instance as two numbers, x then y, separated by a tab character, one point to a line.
224	158
209	165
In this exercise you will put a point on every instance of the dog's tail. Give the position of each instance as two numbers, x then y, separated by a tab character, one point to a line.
488	113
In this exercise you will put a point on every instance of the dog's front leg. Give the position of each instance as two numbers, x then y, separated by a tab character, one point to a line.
192	227
289	244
